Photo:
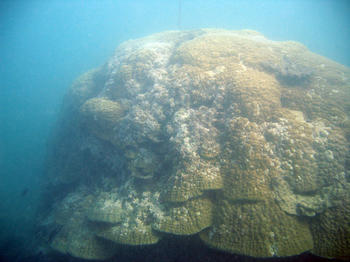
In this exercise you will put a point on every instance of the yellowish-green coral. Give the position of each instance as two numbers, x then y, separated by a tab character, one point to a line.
72	233
331	231
101	116
84	87
257	229
130	234
124	219
110	212
249	176
76	239
186	218
192	181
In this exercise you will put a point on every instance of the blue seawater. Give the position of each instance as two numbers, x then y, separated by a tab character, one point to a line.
44	45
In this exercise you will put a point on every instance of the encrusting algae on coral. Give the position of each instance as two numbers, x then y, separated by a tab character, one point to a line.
225	134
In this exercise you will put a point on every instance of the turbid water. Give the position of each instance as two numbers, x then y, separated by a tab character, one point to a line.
44	46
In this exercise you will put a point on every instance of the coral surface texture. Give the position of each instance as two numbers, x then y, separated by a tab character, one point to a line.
225	136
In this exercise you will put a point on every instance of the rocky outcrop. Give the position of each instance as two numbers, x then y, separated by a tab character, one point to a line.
225	134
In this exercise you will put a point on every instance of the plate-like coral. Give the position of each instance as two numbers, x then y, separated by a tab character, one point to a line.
225	134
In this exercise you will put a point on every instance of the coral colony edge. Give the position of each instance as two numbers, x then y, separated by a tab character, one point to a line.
220	135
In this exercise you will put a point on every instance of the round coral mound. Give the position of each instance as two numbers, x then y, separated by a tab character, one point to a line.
227	135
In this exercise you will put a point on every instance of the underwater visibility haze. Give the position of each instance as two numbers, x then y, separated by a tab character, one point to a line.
174	130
